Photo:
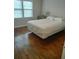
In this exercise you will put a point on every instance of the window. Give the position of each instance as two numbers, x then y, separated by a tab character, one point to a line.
22	9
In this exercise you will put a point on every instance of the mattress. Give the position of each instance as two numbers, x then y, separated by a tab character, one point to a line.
44	27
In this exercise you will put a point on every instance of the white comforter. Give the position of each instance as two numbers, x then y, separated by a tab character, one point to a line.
44	27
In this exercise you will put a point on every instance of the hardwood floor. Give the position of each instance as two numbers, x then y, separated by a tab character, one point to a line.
30	46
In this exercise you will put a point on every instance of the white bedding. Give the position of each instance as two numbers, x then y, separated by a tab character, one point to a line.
44	27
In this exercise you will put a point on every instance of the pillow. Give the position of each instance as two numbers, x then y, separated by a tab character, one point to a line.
58	19
50	18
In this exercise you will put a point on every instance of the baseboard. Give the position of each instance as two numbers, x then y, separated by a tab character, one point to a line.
20	26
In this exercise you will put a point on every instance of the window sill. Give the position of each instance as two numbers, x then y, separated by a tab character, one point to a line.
24	18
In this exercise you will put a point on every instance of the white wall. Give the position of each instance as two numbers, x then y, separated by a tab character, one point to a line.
36	11
19	22
55	7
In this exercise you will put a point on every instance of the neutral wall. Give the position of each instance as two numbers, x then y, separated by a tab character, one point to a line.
36	11
19	22
54	7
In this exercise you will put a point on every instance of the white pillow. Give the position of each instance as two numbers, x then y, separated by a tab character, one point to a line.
58	19
50	18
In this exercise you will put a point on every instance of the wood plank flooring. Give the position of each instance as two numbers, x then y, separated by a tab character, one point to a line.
30	46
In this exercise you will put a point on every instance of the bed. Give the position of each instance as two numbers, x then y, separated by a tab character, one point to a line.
46	27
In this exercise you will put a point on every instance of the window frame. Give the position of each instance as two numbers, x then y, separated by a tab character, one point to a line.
23	10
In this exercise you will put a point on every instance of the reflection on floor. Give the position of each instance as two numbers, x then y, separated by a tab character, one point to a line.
30	46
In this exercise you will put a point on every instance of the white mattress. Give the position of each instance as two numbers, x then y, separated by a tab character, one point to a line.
44	27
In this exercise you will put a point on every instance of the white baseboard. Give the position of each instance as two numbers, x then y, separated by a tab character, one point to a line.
19	26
